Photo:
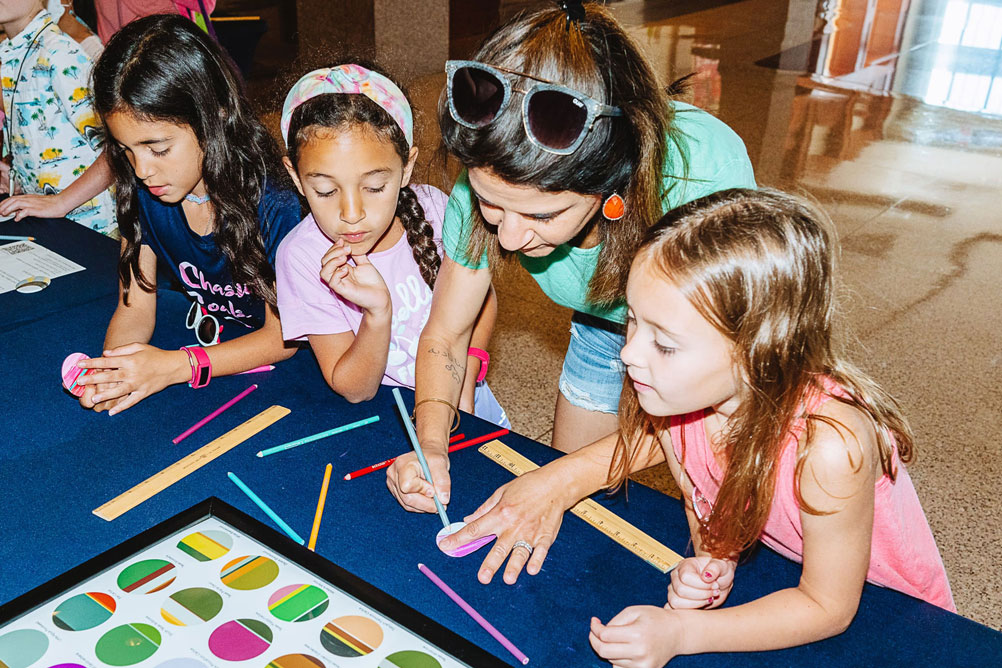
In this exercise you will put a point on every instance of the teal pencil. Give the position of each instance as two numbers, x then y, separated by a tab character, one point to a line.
317	437
267	511
420	454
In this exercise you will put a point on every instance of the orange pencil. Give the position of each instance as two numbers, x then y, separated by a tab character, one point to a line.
320	508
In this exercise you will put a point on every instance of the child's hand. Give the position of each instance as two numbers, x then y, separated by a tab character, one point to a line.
641	636
87	398
700	582
130	373
360	284
39	206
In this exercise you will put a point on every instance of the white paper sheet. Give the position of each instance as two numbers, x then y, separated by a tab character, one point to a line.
24	259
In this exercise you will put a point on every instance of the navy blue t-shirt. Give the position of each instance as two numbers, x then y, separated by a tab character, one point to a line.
200	265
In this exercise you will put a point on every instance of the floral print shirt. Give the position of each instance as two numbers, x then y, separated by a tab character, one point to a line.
51	129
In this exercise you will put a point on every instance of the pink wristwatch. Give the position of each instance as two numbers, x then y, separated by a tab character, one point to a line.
484	358
201	366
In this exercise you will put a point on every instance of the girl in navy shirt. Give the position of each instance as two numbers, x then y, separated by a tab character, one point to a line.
197	191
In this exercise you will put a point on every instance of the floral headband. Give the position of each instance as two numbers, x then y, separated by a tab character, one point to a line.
351	79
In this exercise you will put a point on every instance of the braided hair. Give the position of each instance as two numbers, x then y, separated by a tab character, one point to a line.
341	111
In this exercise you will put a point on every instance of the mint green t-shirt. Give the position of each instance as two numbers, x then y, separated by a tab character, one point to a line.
718	160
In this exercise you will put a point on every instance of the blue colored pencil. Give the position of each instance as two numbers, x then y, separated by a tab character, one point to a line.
267	511
420	455
13	237
317	437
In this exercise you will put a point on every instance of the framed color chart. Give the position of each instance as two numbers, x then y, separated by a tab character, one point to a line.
213	587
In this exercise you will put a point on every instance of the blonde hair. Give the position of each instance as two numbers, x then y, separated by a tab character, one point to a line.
759	266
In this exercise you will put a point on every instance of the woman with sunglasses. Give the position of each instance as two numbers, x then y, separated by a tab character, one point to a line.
572	149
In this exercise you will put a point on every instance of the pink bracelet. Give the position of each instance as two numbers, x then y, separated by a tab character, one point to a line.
201	366
484	358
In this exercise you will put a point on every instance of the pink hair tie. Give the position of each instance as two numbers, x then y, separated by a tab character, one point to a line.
351	80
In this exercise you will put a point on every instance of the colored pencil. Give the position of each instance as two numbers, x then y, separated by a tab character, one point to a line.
420	455
320	508
211	416
257	369
264	506
452	448
386	462
12	237
477	617
317	437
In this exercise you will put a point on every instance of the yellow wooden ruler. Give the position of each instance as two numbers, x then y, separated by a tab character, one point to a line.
158	482
600	517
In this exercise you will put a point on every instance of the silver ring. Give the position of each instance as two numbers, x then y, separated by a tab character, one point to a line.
522	543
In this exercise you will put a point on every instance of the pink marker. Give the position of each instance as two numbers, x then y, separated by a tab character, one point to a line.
258	369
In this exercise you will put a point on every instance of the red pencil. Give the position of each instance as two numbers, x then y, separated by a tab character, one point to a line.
452	448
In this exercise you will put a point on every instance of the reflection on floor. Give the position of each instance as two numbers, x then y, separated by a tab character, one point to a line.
865	105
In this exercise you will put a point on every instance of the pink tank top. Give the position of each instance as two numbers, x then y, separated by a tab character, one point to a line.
903	552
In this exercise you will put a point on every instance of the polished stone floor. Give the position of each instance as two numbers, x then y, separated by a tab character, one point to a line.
889	113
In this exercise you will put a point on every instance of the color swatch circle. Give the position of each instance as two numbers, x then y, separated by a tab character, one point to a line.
83	611
20	649
240	640
189	607
68	665
410	659
128	644
182	663
147	576
351	636
206	545
296	661
298	603
247	573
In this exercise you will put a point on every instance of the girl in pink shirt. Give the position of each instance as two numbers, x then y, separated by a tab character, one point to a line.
355	277
771	435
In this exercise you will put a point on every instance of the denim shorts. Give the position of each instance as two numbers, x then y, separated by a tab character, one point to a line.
592	377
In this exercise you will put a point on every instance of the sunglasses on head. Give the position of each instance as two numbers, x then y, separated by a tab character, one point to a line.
206	326
556	118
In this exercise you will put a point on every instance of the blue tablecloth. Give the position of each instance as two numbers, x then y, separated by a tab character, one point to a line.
58	462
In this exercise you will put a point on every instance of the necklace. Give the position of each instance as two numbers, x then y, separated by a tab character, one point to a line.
195	199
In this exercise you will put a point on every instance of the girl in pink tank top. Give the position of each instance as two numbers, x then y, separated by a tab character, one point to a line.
734	374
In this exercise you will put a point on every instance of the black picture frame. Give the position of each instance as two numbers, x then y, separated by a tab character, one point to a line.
442	638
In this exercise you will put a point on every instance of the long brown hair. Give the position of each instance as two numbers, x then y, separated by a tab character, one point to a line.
626	155
759	265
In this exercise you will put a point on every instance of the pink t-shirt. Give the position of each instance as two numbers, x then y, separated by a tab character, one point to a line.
903	552
308	306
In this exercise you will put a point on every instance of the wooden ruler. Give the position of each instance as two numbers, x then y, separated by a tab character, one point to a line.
600	517
158	482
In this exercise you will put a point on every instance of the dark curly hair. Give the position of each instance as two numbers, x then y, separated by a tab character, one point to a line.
337	111
163	67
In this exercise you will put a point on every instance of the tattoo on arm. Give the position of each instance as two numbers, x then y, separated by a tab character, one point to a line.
455	368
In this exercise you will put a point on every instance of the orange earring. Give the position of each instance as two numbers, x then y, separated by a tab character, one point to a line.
614	207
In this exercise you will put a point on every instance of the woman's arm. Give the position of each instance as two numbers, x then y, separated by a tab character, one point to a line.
481	338
838	480
459	296
91	183
531	507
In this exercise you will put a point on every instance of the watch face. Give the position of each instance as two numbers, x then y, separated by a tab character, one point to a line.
203	376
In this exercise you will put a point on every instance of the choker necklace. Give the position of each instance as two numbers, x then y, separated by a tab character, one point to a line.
195	199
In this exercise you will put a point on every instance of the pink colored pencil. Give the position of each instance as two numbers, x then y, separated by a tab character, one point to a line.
257	369
477	617
211	416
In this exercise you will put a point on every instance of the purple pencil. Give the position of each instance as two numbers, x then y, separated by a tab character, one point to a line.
477	617
211	416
